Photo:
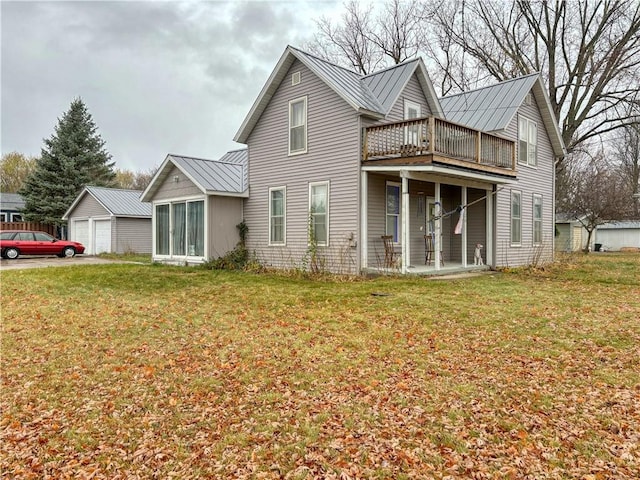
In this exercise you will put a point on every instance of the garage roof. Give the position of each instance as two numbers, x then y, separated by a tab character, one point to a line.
117	201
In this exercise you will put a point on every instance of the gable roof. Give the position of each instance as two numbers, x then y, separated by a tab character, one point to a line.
118	202
11	201
372	95
228	176
492	108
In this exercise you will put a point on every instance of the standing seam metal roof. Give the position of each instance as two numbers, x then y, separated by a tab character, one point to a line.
121	202
227	175
490	108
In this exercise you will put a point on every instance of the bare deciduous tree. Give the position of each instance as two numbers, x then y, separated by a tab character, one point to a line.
588	53
592	193
628	158
364	43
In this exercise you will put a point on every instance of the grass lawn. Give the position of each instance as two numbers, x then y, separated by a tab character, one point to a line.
146	371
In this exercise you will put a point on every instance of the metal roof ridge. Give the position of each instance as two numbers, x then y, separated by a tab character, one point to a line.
466	92
324	60
397	65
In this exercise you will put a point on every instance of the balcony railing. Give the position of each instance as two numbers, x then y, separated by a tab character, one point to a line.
438	138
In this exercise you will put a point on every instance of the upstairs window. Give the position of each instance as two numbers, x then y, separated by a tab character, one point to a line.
298	126
528	144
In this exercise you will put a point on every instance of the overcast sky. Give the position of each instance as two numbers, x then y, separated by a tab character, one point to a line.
158	77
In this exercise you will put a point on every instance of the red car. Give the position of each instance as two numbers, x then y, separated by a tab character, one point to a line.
14	243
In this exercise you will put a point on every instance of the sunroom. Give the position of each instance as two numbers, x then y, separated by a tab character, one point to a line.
197	205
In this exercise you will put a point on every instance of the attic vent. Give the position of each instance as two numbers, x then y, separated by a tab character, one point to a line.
295	78
528	100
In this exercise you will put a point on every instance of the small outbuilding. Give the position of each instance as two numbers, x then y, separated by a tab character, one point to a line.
197	205
110	220
616	236
571	236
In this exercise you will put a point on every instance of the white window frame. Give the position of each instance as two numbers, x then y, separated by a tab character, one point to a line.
3	217
303	125
528	133
513	218
537	222
311	187
411	134
171	203
284	216
396	235
19	219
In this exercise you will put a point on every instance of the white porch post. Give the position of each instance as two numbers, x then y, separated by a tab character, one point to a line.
364	213
405	222
463	199
489	226
438	228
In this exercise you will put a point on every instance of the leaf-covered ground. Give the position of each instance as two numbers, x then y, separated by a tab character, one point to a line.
141	371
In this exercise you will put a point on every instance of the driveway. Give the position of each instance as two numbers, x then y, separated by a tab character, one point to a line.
44	261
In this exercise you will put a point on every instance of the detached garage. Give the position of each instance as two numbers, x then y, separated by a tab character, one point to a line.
110	220
617	236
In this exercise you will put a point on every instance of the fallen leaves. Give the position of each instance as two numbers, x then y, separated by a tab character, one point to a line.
268	377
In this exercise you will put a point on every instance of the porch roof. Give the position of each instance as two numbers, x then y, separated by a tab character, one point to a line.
442	174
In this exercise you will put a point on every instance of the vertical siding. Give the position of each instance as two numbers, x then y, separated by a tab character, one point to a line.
332	155
88	207
223	216
131	235
170	189
531	180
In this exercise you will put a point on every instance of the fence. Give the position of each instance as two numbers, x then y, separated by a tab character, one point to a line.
42	227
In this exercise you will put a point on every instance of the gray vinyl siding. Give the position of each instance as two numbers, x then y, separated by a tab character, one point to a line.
223	216
531	180
131	235
170	189
476	216
88	207
413	93
332	155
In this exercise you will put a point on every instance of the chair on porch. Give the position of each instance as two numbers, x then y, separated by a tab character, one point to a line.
389	251
429	251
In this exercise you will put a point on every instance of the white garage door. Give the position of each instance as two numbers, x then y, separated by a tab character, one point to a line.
80	232
102	236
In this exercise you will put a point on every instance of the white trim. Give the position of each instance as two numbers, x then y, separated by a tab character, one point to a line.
437	237
533	219
411	104
463	240
306	126
364	224
317	184
388	183
405	239
445	174
205	226
511	217
284	216
489	234
529	123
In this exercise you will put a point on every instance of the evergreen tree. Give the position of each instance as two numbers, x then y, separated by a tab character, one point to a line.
73	157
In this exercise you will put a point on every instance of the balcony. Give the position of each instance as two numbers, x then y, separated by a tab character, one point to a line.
430	140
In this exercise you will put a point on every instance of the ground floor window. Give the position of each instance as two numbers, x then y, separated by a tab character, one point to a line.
537	219
319	213
180	229
277	218
516	217
393	211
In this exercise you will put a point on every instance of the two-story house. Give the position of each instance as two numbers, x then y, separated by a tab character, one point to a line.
375	172
350	173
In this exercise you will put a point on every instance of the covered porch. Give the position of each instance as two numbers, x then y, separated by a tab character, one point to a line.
411	219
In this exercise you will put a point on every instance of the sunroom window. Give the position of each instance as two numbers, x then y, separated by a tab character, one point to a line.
180	229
